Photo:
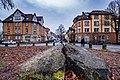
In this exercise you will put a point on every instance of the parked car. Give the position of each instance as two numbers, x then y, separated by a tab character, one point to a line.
50	41
9	42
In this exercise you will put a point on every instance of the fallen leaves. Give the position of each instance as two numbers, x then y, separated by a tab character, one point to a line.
12	56
113	60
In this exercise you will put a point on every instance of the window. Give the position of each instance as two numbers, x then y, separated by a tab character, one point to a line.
78	30
18	37
35	30
106	23
119	37
17	18
86	29
86	23
108	37
17	24
78	24
17	30
106	17
79	39
106	30
8	24
96	29
27	38
27	18
34	24
8	30
26	30
87	39
26	24
96	23
96	16
95	37
8	37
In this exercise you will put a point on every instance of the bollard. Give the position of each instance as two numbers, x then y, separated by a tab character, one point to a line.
90	45
6	45
46	43
104	46
18	44
33	44
53	43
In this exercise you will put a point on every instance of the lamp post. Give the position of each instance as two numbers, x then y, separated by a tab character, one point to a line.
73	35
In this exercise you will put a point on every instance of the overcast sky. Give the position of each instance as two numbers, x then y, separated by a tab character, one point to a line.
56	12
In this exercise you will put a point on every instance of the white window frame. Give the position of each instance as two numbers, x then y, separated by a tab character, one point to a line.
86	29
106	23
96	29
26	24
79	24
96	23
79	31
106	29
86	23
96	16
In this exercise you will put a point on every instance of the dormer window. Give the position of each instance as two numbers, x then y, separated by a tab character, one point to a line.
17	18
10	18
96	16
27	18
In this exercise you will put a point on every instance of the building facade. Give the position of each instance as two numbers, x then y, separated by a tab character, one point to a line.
95	26
24	27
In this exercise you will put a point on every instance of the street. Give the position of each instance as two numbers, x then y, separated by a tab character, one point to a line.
110	47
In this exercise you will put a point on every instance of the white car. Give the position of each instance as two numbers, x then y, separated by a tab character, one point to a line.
9	42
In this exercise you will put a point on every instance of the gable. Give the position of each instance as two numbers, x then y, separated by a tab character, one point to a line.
34	18
17	16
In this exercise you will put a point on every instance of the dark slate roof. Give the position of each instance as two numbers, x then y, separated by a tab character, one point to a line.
84	16
27	17
99	12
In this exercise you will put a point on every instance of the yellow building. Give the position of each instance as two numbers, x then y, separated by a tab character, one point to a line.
94	26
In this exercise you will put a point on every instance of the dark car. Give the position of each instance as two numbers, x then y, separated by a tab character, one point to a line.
1	41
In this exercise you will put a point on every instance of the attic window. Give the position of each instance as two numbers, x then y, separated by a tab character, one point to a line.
17	18
10	18
27	18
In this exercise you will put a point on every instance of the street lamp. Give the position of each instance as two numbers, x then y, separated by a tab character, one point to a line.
72	35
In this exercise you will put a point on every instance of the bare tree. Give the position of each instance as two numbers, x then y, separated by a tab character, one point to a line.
6	4
60	31
114	8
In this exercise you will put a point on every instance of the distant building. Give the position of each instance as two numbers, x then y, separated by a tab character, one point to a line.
94	26
51	36
23	27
